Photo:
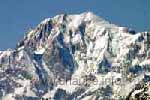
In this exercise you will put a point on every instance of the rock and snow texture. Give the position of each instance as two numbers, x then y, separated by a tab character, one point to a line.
77	57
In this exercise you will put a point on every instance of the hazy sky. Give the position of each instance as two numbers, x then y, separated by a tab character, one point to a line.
17	16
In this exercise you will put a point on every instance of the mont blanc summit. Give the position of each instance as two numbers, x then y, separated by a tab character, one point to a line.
77	57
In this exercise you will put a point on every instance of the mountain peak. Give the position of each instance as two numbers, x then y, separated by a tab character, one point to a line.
77	57
71	22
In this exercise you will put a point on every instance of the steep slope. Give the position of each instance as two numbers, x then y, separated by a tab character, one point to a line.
77	57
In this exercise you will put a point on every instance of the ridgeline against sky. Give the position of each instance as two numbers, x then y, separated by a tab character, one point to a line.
17	17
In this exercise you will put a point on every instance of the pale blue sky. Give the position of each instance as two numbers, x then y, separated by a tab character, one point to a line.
16	16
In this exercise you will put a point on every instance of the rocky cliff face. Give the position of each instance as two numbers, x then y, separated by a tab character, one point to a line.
77	57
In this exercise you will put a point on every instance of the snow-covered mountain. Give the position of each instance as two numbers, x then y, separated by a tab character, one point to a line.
77	57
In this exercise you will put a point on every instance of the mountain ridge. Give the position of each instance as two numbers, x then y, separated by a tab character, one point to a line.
82	48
